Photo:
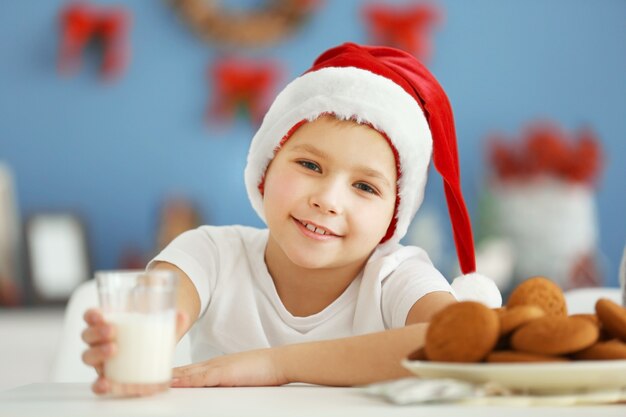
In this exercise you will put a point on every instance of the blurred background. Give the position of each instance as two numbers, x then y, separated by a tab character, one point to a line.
123	124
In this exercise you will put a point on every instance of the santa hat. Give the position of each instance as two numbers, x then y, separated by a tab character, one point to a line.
395	94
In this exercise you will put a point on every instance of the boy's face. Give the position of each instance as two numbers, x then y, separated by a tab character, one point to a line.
329	193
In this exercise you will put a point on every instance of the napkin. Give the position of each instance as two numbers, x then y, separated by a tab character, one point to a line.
415	390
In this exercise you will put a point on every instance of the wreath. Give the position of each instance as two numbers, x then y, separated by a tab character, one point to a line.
250	28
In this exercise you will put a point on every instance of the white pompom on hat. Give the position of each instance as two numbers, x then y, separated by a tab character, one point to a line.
394	93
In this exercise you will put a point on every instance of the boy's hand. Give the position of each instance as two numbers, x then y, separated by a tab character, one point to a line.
261	367
100	338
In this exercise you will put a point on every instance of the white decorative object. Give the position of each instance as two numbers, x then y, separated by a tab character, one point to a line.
58	255
551	224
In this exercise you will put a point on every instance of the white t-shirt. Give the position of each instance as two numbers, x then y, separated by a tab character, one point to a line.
241	309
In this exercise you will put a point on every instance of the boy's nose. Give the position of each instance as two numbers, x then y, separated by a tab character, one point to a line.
327	199
329	209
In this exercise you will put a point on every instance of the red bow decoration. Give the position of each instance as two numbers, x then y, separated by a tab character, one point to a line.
82	23
545	150
242	86
403	27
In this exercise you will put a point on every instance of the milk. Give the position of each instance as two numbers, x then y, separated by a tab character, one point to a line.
145	347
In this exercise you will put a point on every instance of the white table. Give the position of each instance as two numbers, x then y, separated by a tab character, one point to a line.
67	400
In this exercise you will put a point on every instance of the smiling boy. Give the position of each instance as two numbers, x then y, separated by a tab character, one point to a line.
325	294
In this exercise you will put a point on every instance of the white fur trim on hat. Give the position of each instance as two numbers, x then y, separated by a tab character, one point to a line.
477	287
349	92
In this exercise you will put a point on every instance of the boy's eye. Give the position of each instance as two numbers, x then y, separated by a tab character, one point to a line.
310	165
365	187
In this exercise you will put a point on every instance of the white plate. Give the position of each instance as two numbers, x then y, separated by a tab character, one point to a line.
530	377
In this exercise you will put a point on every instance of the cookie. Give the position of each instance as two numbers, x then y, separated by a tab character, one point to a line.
541	292
462	332
508	356
613	317
512	318
591	317
417	355
612	349
551	335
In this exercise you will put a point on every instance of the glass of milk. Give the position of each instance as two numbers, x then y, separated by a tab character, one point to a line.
142	307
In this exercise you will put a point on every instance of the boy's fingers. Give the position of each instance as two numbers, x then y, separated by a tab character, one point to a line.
98	334
96	355
101	386
93	316
205	378
188	369
180	371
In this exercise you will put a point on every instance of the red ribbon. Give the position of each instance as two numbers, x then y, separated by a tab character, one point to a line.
403	27
545	150
81	23
242	85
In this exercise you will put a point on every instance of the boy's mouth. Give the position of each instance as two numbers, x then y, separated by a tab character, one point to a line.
317	229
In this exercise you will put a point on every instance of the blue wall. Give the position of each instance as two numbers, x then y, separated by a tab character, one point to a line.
112	152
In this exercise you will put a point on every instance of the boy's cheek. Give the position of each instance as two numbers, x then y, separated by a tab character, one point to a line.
285	188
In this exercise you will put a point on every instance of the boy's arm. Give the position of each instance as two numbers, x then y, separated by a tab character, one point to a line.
426	307
338	362
364	359
354	360
187	300
347	361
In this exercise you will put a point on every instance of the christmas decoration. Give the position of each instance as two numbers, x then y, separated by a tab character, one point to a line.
83	23
406	27
242	87
10	240
176	215
541	197
250	28
546	151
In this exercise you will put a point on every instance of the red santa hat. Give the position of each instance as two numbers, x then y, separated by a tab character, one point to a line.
395	94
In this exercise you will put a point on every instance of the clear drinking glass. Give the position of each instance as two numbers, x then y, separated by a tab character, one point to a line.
142	307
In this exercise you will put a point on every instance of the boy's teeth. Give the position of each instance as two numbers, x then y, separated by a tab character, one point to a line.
314	229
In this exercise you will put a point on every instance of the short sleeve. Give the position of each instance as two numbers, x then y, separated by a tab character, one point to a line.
412	279
196	254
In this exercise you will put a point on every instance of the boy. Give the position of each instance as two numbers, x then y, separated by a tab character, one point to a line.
326	294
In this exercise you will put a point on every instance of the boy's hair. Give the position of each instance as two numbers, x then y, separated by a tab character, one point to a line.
394	93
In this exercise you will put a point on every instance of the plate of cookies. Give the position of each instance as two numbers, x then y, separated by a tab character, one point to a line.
530	345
